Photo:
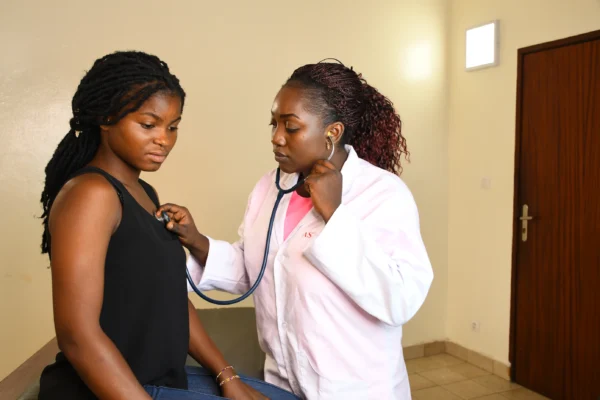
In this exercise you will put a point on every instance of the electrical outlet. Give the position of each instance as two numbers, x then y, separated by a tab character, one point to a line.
475	326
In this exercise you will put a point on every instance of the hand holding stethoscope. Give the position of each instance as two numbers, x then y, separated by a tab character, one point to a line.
179	221
324	184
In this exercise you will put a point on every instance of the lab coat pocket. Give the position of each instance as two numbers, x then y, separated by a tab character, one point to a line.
316	385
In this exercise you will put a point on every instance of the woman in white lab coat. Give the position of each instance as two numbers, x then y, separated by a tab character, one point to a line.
347	266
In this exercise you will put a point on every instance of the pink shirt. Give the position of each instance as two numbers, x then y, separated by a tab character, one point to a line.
298	208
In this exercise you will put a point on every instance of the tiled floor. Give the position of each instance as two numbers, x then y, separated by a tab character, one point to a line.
443	377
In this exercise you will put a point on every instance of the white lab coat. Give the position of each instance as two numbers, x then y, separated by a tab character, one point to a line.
334	296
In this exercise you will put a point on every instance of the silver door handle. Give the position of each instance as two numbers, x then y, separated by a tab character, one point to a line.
525	217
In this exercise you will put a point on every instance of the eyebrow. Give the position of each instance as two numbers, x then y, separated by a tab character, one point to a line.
159	118
286	115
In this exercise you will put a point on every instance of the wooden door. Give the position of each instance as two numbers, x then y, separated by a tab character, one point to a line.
555	330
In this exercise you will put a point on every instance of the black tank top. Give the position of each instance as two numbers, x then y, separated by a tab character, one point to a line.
144	311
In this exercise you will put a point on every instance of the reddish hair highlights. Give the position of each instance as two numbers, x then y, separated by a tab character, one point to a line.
339	94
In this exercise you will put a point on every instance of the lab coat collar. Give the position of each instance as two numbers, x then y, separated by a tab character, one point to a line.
350	170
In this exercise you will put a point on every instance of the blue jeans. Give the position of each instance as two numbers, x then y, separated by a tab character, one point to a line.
202	386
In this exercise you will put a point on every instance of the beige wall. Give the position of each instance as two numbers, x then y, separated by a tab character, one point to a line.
231	60
481	144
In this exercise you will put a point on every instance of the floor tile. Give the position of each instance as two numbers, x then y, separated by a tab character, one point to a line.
447	377
446	359
468	390
424	364
496	384
469	371
436	393
443	376
414	366
418	382
491	397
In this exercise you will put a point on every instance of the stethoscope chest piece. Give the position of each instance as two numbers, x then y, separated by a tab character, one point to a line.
164	217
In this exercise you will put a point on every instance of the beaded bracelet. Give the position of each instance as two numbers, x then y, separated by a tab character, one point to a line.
229	379
223	370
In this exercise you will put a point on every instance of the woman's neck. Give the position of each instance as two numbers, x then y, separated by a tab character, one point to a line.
339	157
108	161
338	160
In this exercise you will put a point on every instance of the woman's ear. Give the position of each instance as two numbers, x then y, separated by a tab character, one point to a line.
105	124
335	131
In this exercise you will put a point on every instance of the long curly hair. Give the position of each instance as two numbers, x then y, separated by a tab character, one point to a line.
372	126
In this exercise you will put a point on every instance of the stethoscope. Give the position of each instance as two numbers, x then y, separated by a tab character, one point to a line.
281	192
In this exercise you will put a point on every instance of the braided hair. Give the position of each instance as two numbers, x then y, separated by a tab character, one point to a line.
338	94
118	84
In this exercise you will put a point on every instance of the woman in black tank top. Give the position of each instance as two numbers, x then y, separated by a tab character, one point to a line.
123	321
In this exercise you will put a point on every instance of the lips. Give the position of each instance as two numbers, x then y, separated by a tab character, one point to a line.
157	157
279	156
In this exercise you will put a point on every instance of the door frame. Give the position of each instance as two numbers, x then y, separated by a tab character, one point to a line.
586	37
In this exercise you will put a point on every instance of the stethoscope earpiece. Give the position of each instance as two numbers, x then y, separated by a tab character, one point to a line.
332	147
